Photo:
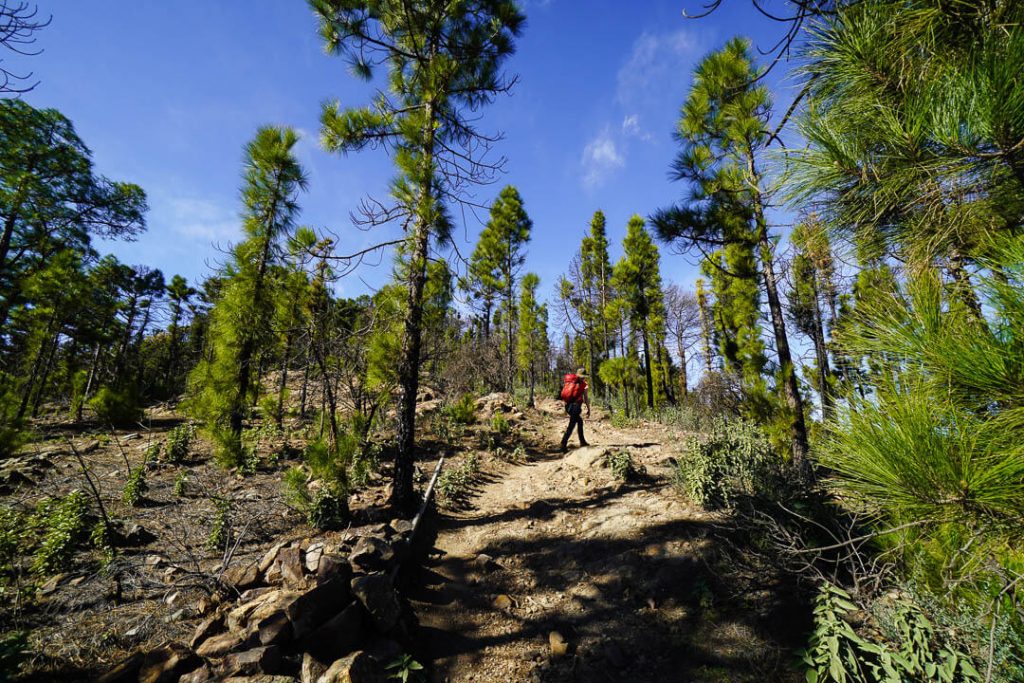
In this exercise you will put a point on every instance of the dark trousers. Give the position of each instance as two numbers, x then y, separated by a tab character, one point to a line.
575	411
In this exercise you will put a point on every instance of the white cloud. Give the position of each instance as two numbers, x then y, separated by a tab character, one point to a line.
601	157
202	219
631	128
658	63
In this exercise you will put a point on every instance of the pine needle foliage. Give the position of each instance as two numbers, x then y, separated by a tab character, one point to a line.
444	63
222	384
937	447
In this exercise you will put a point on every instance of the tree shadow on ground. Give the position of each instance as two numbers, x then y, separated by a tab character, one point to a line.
665	602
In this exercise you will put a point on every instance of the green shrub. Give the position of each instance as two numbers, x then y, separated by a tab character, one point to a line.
181	484
462	411
220	527
64	523
621	464
328	509
13	528
295	489
116	408
837	653
500	426
734	459
13	651
453	483
12	436
179	441
135	488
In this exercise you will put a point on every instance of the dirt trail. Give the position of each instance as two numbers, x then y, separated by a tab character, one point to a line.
639	584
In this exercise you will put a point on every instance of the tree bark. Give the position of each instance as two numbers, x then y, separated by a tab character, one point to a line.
647	369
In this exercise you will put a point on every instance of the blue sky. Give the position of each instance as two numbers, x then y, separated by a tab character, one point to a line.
167	94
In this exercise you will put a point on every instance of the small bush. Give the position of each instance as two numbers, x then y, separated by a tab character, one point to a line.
453	483
500	426
621	464
116	408
65	524
220	527
838	653
328	510
734	459
13	651
295	489
462	411
181	484
135	488
179	441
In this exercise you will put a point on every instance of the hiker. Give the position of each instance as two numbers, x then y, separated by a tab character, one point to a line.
575	395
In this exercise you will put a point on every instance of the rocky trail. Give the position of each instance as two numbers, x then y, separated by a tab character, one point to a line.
560	571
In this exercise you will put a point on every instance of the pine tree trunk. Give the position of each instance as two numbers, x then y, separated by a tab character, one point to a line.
402	495
279	418
683	388
37	363
821	352
93	369
41	390
647	368
791	389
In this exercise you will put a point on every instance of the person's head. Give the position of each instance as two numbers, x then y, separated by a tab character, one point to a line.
581	372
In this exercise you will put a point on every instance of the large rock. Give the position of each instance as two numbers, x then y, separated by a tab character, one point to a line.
291	565
241	576
219	645
380	600
371	554
206	628
333	567
342	634
245	617
168	663
358	667
266	659
316	606
125	671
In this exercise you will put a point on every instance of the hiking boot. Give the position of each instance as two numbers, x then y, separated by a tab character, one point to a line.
563	448
583	444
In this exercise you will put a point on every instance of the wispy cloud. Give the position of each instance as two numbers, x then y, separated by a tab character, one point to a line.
631	128
658	63
601	157
201	219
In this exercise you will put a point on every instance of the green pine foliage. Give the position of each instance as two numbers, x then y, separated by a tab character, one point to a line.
222	385
533	344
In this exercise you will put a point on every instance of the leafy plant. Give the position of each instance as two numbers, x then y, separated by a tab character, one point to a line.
500	426
405	669
838	654
13	651
295	489
180	484
734	459
621	464
135	488
328	509
462	411
179	441
117	408
64	523
220	528
454	482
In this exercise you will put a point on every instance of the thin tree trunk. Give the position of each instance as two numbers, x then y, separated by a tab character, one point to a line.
402	496
647	368
279	418
89	382
41	390
37	363
791	389
821	351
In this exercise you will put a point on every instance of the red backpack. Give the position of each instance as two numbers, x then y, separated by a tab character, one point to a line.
573	387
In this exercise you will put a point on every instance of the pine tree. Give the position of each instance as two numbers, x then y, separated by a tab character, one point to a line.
638	280
724	131
596	276
813	289
180	295
443	61
241	318
503	241
533	331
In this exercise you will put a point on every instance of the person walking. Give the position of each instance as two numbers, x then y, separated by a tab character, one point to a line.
575	395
